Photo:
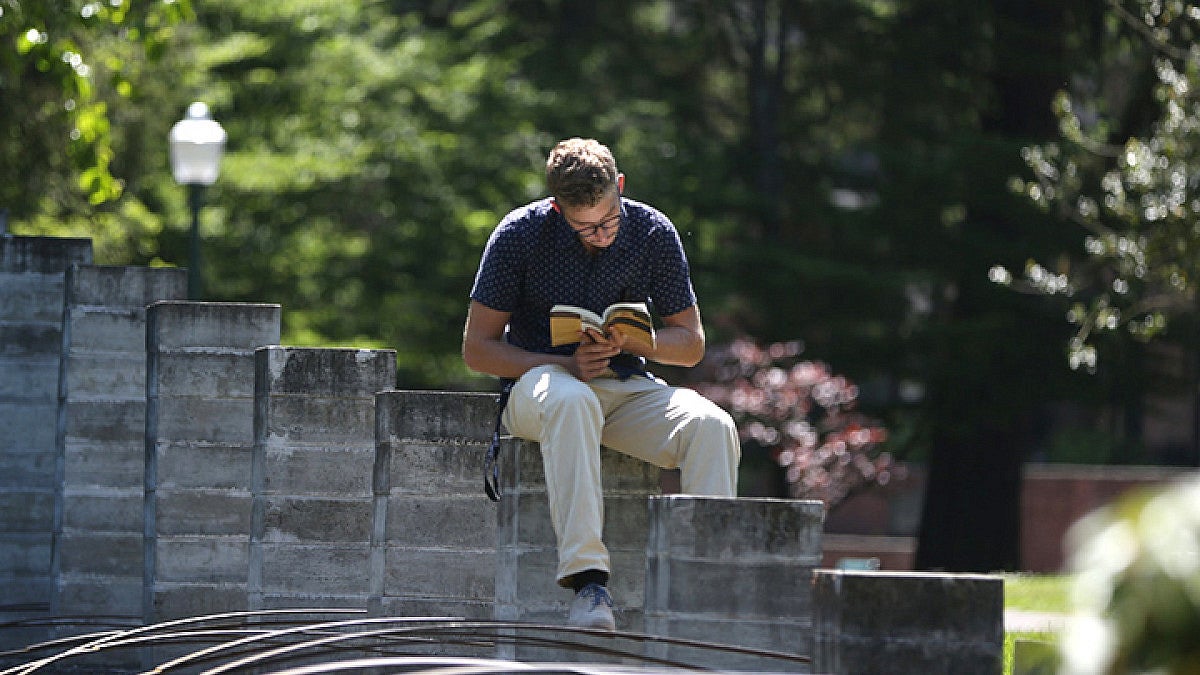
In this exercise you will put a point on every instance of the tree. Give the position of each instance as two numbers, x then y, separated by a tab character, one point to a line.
1128	178
63	67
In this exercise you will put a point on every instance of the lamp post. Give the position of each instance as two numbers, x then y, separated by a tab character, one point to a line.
197	142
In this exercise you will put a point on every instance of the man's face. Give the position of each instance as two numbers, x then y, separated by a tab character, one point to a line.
596	226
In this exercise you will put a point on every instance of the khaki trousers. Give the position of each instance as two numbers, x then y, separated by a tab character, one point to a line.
670	427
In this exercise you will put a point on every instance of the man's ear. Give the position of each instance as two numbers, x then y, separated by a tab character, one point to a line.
620	183
554	204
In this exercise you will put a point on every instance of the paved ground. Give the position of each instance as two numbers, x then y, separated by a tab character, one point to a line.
1020	621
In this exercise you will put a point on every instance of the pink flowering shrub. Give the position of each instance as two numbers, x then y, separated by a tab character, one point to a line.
803	415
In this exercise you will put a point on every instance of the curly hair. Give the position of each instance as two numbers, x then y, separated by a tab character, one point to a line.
580	172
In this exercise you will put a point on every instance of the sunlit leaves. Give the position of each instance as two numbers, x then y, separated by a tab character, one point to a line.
1138	198
51	67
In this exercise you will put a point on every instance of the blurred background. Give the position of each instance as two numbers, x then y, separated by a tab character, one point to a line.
975	219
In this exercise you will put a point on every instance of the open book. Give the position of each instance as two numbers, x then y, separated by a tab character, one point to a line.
631	319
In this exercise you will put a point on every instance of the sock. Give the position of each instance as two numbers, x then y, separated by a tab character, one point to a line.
581	579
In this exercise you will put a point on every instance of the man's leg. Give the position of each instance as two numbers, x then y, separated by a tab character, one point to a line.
672	427
552	407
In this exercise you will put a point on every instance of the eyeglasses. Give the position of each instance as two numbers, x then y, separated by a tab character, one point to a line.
590	231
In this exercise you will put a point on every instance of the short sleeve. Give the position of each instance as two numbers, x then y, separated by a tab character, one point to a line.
497	282
671	289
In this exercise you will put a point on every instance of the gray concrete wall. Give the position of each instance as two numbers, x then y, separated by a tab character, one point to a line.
733	571
314	453
101	449
907	623
199	443
433	550
32	271
526	589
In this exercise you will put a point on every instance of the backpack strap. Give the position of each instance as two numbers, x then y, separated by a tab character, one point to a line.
491	466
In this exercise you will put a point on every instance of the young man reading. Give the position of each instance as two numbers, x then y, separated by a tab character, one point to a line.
587	245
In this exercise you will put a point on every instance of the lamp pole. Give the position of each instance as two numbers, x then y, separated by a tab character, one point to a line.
197	143
195	201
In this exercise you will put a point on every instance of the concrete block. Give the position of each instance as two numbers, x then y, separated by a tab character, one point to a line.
104	510
324	373
419	468
192	325
27	427
727	566
99	463
30	297
314	418
746	529
27	379
456	522
309	571
101	329
305	519
444	418
202	561
106	554
434	540
24	554
23	590
121	286
478	610
106	421
196	512
117	595
907	622
185	464
25	511
461	574
735	589
98	553
784	646
296	419
171	601
30	340
319	469
43	255
107	376
226	421
203	374
24	469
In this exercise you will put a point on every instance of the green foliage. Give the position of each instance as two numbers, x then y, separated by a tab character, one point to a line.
1125	174
61	66
1137	589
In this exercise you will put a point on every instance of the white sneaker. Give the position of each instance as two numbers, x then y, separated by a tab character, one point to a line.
592	608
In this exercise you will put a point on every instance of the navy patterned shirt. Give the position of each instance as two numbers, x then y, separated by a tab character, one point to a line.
534	260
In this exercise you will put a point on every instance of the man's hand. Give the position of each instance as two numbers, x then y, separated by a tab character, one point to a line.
592	355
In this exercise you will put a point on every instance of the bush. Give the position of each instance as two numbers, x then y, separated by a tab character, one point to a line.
803	414
1137	586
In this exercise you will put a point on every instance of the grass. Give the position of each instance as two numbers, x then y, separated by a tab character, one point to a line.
1033	593
1037	592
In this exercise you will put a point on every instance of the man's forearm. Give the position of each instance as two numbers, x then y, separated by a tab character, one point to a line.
677	346
499	358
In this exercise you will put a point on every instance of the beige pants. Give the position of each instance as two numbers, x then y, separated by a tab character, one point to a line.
642	417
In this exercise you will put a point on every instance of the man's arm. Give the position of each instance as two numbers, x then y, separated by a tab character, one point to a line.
679	342
485	351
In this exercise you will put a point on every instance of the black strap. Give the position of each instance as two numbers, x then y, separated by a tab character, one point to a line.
491	467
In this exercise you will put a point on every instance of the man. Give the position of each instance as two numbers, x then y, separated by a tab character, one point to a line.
588	245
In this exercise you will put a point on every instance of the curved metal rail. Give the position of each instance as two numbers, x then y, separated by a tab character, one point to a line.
304	641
